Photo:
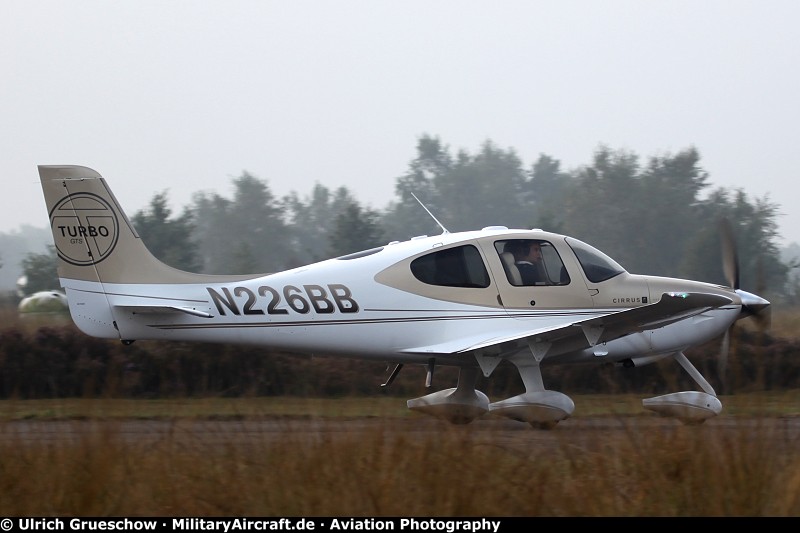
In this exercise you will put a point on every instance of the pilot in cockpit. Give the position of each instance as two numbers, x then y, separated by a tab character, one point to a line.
528	259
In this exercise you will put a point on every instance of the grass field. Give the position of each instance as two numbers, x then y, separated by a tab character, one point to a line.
767	404
389	468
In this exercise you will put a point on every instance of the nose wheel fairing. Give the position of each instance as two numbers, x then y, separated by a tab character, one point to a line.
690	407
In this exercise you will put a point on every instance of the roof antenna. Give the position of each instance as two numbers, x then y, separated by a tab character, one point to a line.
444	230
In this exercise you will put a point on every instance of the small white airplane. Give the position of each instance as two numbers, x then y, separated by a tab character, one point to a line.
44	302
450	299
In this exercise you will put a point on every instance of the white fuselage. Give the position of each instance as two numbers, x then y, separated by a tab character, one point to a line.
347	307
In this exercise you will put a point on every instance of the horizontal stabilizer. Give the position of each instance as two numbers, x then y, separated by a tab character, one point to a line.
163	310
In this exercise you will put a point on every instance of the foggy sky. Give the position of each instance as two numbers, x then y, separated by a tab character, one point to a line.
182	96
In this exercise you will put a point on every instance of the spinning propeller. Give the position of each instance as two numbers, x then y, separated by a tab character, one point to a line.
752	305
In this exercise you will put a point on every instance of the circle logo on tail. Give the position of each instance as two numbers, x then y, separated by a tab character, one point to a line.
85	228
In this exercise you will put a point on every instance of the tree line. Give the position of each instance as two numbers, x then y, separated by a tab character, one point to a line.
657	215
62	362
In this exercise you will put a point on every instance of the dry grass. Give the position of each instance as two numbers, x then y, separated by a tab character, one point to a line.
785	323
764	404
389	467
211	407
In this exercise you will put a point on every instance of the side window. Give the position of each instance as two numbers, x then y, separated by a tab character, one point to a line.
461	266
531	262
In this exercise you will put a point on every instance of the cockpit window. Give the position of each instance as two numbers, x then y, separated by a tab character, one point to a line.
596	265
531	262
461	266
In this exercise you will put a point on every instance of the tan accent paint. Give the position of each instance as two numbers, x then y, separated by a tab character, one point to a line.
500	293
399	276
81	197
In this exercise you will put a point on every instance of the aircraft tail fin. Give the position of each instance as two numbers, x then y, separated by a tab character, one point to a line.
94	238
100	254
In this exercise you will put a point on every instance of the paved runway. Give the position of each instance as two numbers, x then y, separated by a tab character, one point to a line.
585	432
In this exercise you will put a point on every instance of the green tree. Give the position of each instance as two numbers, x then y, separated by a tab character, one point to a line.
671	187
246	234
210	212
354	229
755	230
308	223
41	271
483	190
313	221
16	245
405	217
465	192
604	206
545	194
169	239
790	256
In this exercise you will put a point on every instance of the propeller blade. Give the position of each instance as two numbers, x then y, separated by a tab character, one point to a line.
730	267
730	257
752	305
722	361
763	315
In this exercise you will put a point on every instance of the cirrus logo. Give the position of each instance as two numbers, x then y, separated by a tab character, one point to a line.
85	228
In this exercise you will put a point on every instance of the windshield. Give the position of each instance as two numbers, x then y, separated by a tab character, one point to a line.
596	265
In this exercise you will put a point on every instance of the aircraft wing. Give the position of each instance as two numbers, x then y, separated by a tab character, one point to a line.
672	307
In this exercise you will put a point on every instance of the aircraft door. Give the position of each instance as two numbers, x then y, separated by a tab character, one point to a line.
536	274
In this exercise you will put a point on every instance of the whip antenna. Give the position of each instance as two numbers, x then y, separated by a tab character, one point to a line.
444	230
